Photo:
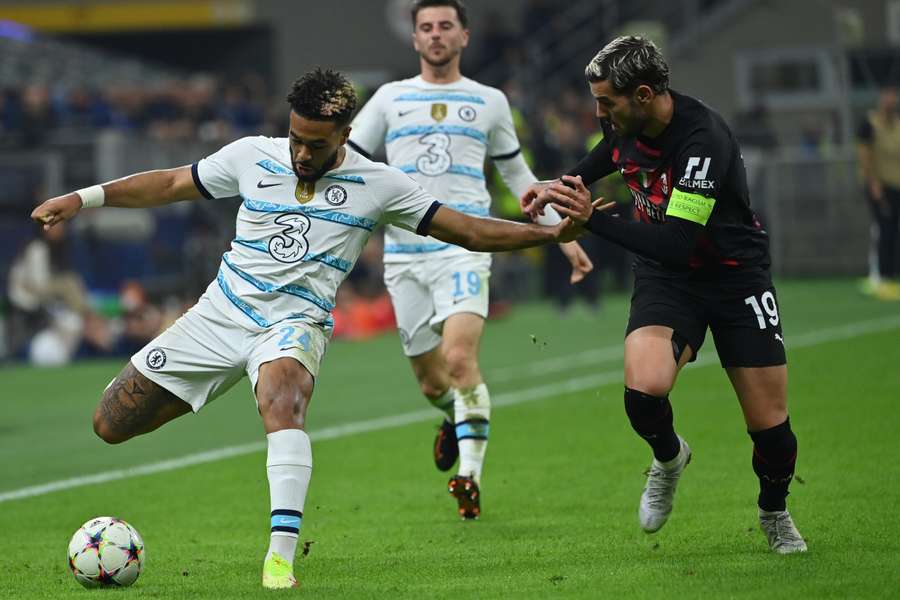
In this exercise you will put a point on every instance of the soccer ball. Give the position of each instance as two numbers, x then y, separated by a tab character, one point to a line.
106	552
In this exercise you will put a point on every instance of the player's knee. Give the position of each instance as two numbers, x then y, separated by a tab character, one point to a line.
283	407
283	410
432	388
648	382
105	430
461	363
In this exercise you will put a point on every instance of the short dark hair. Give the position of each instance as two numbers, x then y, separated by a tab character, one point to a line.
457	4
630	61
323	95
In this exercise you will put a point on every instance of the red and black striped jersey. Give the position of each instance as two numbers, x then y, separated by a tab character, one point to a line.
691	201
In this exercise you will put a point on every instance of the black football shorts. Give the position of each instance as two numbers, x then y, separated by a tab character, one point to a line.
745	322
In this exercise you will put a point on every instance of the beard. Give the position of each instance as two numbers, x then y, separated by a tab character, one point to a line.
316	175
442	62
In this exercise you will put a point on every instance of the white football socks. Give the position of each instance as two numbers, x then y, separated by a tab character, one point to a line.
289	467
472	409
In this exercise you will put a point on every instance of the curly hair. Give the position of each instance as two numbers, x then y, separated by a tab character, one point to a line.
323	95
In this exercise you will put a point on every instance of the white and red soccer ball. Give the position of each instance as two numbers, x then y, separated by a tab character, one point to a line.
106	552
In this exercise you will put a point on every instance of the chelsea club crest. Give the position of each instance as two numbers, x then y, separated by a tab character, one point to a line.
335	195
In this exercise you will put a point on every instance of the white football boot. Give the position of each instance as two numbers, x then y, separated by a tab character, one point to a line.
781	532
656	500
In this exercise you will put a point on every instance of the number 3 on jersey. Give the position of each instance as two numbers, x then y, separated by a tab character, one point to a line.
290	245
766	302
436	160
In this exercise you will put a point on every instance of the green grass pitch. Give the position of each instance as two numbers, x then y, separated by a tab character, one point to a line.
561	484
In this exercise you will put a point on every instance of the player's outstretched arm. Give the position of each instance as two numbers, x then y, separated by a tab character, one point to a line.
151	188
671	243
494	235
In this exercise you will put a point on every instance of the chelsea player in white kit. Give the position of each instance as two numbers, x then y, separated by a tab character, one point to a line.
309	206
439	127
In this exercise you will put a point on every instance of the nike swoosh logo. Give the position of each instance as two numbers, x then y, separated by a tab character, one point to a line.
286	521
262	185
403	113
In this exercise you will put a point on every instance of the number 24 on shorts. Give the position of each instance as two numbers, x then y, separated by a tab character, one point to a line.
765	303
473	284
288	338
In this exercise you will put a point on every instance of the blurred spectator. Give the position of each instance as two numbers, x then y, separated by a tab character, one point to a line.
48	303
238	110
141	320
37	120
879	159
82	110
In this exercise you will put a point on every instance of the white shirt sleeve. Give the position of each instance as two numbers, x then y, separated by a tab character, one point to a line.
516	173
218	175
502	139
405	203
370	125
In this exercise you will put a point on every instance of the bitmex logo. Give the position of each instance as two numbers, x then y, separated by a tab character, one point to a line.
693	163
695	174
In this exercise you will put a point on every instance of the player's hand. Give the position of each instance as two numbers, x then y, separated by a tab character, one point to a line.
568	230
56	210
578	258
534	199
571	199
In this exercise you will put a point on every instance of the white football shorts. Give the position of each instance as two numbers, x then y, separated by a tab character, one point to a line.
424	293
204	353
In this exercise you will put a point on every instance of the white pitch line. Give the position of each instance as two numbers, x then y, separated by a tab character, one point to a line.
578	384
556	364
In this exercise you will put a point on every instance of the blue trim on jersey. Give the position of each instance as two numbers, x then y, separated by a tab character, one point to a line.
350	178
426	129
470	209
473	172
332	261
290	288
433	96
255	316
414	248
273	167
326	259
243	306
313	213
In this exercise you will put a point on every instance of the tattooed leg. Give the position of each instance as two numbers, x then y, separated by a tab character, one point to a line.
132	405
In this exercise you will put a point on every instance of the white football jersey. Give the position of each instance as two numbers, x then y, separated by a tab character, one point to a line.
439	134
296	242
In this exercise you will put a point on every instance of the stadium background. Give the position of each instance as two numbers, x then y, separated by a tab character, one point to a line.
96	90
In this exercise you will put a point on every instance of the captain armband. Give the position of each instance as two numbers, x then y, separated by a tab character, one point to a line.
690	207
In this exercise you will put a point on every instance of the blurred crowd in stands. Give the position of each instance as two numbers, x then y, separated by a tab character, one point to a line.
196	107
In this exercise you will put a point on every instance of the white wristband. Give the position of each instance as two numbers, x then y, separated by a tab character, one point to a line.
92	197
